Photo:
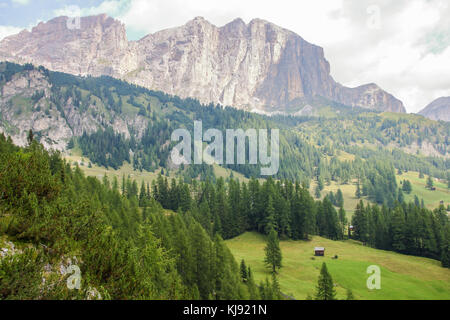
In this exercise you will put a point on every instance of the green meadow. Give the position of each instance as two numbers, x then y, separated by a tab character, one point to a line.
402	277
430	198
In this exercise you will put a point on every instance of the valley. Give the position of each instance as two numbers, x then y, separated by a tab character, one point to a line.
431	199
99	174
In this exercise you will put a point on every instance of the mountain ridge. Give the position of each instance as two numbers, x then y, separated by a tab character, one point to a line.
254	66
438	109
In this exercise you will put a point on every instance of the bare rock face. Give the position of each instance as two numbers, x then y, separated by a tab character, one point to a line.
255	66
19	113
98	47
439	109
22	115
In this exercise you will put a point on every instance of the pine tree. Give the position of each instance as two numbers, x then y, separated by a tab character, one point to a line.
358	192
270	223
142	195
251	285
342	218
320	183
445	248
273	252
339	199
30	137
350	295
398	229
401	197
407	187
244	275
332	198
123	185
276	291
325	286
202	260
430	183
416	201
317	192
360	223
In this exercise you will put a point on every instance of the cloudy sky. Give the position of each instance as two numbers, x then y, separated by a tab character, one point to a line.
402	45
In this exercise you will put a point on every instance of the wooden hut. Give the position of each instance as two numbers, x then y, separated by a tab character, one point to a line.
319	251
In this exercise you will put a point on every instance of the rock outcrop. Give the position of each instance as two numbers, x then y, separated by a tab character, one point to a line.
21	111
255	66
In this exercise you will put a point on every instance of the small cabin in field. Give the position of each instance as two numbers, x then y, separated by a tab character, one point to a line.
319	251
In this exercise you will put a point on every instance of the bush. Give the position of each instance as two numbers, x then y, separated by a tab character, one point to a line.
20	275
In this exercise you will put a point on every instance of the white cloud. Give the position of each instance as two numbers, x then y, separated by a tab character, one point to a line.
21	2
408	54
110	7
7	31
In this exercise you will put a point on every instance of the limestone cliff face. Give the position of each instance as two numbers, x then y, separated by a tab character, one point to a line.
439	109
99	47
19	113
255	66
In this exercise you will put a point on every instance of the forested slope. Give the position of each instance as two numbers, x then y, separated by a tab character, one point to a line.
53	217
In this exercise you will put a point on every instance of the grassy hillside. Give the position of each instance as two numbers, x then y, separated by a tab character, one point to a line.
402	277
127	169
348	191
99	172
430	198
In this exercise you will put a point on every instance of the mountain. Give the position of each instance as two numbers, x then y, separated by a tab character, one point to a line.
439	109
257	66
112	121
30	100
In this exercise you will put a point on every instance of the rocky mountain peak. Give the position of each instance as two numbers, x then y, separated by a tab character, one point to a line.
438	109
254	66
199	20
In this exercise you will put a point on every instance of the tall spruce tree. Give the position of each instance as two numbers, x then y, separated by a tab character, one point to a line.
244	271
325	286
339	199
273	252
430	183
358	193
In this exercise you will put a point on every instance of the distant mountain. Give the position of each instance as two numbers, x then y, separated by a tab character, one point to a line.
257	66
439	109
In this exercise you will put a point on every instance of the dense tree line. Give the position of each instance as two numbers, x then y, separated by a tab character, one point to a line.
405	228
110	149
106	148
230	209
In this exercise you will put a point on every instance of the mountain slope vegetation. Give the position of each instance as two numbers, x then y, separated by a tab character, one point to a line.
108	118
53	218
